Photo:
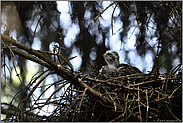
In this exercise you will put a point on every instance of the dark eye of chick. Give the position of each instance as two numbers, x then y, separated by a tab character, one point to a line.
110	55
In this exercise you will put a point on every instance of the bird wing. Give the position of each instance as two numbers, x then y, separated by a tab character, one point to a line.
103	69
125	69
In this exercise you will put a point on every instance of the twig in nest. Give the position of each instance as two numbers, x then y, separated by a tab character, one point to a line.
82	100
147	105
139	105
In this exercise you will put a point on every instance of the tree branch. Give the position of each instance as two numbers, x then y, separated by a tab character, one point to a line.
49	63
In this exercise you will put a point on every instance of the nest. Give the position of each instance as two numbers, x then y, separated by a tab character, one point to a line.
135	97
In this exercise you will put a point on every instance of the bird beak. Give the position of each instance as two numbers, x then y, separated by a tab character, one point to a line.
104	54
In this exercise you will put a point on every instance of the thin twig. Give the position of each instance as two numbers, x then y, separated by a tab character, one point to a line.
82	100
40	20
139	105
146	92
112	17
102	12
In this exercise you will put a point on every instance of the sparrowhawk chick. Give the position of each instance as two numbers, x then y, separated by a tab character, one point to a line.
113	66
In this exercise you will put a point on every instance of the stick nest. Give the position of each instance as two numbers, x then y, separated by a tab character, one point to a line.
135	97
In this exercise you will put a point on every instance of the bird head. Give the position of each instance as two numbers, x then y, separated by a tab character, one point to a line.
112	58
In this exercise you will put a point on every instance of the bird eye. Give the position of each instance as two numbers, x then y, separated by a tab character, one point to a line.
109	54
